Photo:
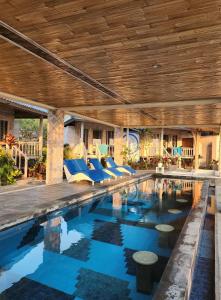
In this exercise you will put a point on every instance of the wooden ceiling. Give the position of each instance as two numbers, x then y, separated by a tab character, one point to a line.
133	51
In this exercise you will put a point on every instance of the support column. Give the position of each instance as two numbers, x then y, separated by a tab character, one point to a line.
55	145
127	138
40	135
161	142
118	145
219	151
196	137
90	139
82	132
103	138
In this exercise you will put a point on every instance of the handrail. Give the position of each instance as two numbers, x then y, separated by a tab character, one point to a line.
17	154
187	152
31	149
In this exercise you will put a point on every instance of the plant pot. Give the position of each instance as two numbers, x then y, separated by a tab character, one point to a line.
160	165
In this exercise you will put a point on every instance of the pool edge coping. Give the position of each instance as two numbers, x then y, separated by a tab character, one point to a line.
75	199
176	280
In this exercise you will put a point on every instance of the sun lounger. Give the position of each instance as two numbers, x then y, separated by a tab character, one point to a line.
125	169
77	170
98	166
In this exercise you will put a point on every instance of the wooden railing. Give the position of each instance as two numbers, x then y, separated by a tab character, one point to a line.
187	152
30	149
151	151
17	156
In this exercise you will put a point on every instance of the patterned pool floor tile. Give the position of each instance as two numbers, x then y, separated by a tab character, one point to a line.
101	287
27	289
107	232
79	250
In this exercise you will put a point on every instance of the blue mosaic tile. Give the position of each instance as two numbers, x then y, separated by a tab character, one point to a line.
133	203
27	289
209	222
136	223
101	287
103	211
71	214
203	286
107	232
206	248
94	205
31	235
79	250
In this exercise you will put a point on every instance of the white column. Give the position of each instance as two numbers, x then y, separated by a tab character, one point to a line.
40	135
118	145
219	151
161	142
82	132
55	145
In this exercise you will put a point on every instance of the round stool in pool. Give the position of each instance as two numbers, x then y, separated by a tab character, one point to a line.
145	261
165	237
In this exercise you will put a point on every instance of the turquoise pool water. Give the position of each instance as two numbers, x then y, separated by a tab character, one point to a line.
85	252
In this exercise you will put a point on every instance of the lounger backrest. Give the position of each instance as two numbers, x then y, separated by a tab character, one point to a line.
82	164
111	162
96	163
71	165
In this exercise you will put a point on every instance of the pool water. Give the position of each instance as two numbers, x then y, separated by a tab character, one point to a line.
85	252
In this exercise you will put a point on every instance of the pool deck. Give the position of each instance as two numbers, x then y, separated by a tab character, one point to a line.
21	204
218	240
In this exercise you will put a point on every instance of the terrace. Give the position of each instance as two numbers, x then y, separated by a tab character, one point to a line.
134	80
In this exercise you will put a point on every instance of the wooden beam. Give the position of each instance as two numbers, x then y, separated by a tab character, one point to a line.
38	104
186	126
146	105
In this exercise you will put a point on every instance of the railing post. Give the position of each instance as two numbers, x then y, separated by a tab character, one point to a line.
26	168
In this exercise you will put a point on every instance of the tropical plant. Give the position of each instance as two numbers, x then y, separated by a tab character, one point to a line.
10	140
29	129
146	139
39	168
68	152
8	171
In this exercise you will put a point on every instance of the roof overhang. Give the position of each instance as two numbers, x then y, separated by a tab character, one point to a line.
129	64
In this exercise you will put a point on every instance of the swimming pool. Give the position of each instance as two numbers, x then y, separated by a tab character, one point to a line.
85	252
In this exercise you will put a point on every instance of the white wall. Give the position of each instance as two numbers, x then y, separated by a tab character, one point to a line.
70	136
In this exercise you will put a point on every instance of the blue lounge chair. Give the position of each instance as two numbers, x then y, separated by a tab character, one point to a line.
77	170
98	166
125	169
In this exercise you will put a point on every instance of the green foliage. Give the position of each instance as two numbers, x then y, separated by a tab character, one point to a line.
68	152
29	128
8	172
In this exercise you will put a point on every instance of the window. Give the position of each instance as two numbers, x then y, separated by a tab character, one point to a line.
97	134
174	140
109	137
3	129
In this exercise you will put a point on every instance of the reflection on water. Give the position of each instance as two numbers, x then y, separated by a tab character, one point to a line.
69	249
